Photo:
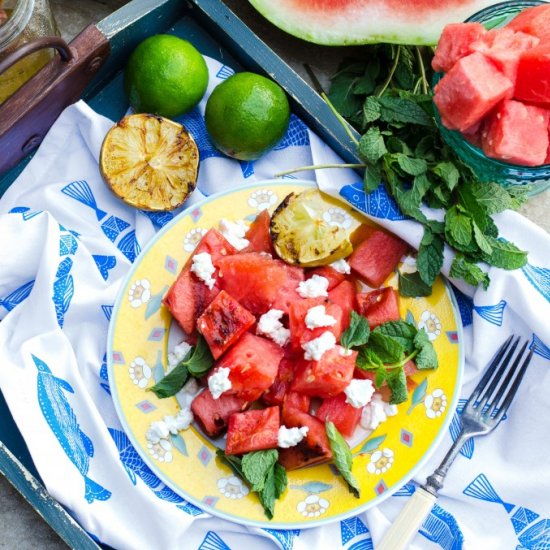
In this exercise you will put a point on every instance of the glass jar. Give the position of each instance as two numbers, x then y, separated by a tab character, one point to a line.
23	21
486	168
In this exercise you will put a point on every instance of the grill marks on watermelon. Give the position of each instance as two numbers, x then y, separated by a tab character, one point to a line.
252	431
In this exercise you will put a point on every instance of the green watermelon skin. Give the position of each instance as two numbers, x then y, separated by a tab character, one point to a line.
350	22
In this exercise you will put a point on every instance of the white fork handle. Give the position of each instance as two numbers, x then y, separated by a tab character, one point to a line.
409	521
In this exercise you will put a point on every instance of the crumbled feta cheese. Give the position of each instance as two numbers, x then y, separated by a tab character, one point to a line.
359	392
203	268
314	287
157	430
290	437
219	382
376	412
341	266
317	317
315	348
181	421
270	325
234	232
177	354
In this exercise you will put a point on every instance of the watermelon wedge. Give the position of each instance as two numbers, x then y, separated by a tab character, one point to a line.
345	22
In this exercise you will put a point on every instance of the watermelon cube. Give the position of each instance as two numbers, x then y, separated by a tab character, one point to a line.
344	296
517	133
342	414
223	322
377	256
533	76
503	48
253	431
379	306
469	91
213	414
535	21
455	42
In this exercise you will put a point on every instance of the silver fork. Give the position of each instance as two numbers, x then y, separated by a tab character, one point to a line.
481	415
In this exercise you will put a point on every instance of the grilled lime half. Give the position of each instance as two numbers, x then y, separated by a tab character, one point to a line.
301	236
150	162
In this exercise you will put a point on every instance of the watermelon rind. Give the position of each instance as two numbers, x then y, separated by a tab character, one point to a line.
352	22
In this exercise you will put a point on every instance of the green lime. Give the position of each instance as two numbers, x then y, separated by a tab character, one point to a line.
165	75
247	115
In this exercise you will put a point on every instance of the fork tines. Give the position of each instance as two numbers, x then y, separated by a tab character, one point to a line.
499	384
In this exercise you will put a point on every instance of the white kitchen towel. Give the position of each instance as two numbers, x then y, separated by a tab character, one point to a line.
67	244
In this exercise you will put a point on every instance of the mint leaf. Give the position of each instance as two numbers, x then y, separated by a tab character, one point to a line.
492	196
341	96
411	285
367	359
505	255
426	357
401	331
429	260
461	268
173	382
257	465
385	347
448	172
372	177
273	488
371	145
371	110
458	226
396	109
397	382
357	333
380	377
481	240
201	360
410	165
342	457
234	462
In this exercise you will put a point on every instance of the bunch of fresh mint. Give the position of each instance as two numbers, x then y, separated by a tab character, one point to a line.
388	99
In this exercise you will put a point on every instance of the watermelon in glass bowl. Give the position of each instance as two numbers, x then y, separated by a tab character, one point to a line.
487	168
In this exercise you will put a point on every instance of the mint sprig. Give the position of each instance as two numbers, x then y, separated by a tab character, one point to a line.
342	457
386	97
197	362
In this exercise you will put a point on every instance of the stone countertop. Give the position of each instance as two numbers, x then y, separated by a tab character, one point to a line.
20	526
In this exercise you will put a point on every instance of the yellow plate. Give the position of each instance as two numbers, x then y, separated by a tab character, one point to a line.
138	345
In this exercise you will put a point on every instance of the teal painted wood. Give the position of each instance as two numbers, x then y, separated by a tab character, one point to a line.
35	494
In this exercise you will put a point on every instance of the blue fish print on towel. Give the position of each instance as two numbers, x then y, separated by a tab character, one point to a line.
465	306
25	211
129	246
213	541
225	72
194	122
439	527
533	533
82	192
467	449
103	374
539	277
104	264
296	134
113	227
352	529
68	243
539	347
63	290
17	296
378	203
158	219
247	168
284	536
135	467
492	314
62	421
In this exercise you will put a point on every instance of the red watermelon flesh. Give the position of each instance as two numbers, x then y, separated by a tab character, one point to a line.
469	91
535	21
344	22
533	80
455	42
504	47
517	133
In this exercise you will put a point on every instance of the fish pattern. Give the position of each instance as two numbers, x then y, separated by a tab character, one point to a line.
247	168
158	219
82	192
285	537
194	122
136	468
213	541
533	533
465	306
296	134
16	297
103	375
539	347
63	422
104	264
377	204
539	277
355	533
25	211
439	527
63	290
492	314
113	226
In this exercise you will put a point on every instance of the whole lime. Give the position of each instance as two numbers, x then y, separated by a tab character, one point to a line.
247	115
165	75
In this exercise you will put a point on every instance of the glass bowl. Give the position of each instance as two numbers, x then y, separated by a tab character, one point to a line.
488	169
